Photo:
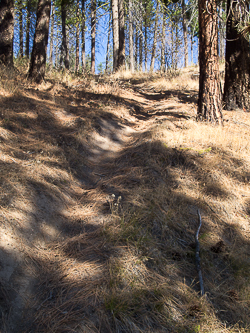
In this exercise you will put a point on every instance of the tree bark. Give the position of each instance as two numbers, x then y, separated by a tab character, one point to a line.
155	38
131	46
136	48
108	42
237	73
93	34
221	35
146	40
115	23
83	37
64	47
77	36
39	51
140	45
184	25
163	43
20	18
209	103
51	35
121	52
27	41
6	32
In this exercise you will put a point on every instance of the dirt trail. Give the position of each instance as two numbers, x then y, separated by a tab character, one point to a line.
16	277
44	216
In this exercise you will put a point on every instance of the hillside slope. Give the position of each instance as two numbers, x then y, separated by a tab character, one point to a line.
101	181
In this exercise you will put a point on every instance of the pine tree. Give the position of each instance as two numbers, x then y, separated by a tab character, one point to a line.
209	103
237	73
39	51
6	31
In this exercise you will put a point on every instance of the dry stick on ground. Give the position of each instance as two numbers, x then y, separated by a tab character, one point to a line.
197	255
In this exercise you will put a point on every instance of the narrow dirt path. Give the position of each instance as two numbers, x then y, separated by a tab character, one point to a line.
48	223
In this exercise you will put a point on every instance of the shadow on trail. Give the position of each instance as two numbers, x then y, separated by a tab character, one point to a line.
78	238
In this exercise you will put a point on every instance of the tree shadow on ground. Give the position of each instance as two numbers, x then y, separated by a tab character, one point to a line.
79	259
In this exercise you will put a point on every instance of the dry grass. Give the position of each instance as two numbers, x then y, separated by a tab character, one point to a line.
101	180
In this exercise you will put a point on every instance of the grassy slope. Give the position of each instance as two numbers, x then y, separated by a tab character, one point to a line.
100	186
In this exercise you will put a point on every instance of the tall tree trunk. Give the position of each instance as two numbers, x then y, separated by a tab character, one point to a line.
6	32
131	46
136	49
83	37
163	43
77	36
20	19
237	74
39	51
221	34
172	44
140	45
121	52
64	47
57	55
51	35
115	23
145	21
152	65
209	103
27	41
176	47
184	25
108	45
192	51
93	33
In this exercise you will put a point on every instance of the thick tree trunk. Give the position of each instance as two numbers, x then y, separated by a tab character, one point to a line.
39	51
152	65
209	103
20	18
77	37
184	25
121	52
237	74
93	33
27	42
64	47
6	32
51	35
115	23
131	46
83	37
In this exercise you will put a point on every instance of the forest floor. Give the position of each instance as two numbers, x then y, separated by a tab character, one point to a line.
101	180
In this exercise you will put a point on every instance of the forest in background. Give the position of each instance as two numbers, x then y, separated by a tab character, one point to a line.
164	36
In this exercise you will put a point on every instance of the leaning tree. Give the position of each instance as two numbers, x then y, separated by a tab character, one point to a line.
6	31
209	103
237	70
38	55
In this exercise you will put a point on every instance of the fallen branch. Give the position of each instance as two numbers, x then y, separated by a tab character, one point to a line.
197	255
